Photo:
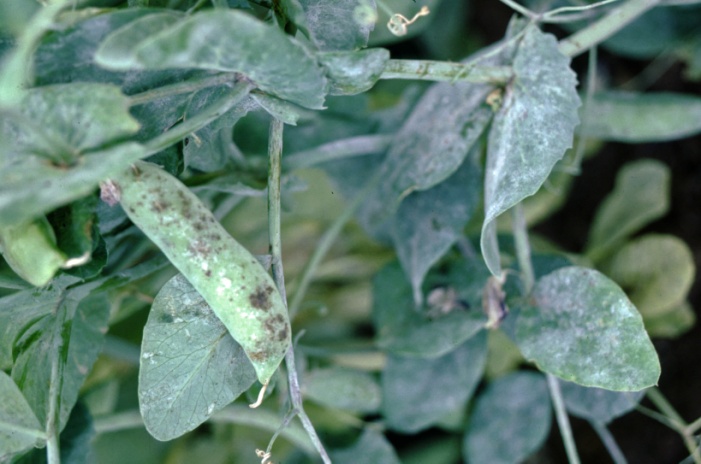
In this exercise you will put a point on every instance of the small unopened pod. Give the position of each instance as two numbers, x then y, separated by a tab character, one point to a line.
232	281
30	250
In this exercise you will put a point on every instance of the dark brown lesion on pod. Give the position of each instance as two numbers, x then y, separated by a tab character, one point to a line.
276	328
258	356
260	298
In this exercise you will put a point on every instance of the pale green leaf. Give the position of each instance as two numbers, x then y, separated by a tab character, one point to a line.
351	73
279	109
19	427
339	24
31	186
371	447
641	117
227	40
530	133
417	393
657	272
596	404
341	388
429	222
426	332
641	195
673	322
190	365
510	420
584	329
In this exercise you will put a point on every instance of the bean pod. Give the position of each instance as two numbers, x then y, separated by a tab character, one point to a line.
232	281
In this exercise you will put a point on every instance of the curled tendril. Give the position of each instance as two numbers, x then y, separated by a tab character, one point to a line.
264	456
398	23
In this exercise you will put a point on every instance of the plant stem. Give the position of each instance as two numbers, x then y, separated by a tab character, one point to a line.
238	92
189	86
562	420
601	30
677	422
523	249
275	154
326	242
53	413
445	71
609	442
344	148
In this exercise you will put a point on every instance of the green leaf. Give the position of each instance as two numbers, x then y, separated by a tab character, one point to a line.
279	109
417	393
431	145
584	329
351	73
339	24
641	117
190	365
641	195
230	41
31	186
530	133
429	222
66	120
210	148
370	447
19	427
657	272
510	420
674	322
403	329
342	388
596	404
57	330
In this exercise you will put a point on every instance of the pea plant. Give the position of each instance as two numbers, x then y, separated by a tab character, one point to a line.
147	145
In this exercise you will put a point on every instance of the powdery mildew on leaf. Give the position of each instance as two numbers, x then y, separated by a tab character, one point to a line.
584	329
531	131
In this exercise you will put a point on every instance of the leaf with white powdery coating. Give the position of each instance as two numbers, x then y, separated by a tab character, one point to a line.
16	420
351	73
190	366
584	329
530	133
337	25
597	404
232	41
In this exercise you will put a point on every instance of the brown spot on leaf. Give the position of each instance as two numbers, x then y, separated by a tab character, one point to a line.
257	356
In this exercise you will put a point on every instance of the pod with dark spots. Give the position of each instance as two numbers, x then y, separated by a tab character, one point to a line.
232	281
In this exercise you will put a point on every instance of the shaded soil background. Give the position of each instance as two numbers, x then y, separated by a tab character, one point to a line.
642	439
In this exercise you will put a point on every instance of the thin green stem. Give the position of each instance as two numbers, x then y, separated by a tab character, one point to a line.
125	420
562	420
694	426
238	92
520	9
601	30
275	154
325	243
189	86
658	399
447	72
344	148
523	248
609	442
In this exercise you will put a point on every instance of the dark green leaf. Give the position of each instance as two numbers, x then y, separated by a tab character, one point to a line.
190	365
585	330
371	447
429	222
31	186
511	419
230	41
339	24
530	133
351	73
641	117
431	145
417	393
641	195
426	332
596	404
19	427
64	329
341	388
